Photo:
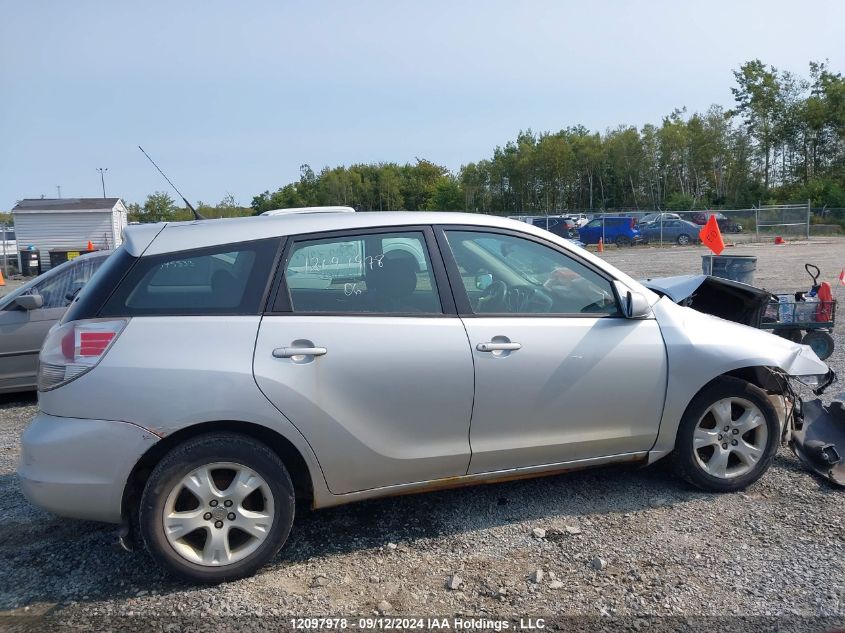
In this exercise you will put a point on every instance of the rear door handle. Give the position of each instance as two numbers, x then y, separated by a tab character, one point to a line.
491	346
289	352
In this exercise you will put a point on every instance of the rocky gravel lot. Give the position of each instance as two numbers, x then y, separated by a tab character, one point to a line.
619	542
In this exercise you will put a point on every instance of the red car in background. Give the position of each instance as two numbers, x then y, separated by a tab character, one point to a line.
726	225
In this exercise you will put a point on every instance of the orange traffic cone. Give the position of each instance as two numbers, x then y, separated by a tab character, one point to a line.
601	245
779	240
90	245
2	280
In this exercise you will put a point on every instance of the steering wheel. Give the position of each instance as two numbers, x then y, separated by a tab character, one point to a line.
494	298
530	300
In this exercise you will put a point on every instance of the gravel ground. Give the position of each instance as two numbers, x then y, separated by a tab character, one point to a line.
616	542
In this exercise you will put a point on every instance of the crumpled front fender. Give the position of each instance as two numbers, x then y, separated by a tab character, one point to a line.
701	347
802	361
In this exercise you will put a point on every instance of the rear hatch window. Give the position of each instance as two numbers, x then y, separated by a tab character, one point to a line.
228	279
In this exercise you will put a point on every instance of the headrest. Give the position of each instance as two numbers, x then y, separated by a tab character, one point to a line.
395	278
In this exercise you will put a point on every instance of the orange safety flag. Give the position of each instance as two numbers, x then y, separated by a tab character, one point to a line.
90	245
824	311
711	236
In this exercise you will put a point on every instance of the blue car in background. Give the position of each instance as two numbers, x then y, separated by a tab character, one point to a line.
621	231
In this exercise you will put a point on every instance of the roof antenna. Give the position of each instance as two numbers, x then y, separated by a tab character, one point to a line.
197	215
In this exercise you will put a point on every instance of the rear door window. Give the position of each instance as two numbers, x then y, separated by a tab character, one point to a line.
379	273
230	279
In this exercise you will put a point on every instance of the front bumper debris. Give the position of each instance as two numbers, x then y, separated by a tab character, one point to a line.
819	438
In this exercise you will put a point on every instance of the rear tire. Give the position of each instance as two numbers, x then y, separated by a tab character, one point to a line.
217	508
721	449
683	239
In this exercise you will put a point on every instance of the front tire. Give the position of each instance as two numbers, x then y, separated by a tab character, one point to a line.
683	239
728	436
217	508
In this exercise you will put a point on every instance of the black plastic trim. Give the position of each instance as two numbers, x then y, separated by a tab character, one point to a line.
89	302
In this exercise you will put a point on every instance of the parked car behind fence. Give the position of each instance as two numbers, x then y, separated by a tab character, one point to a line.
621	231
726	225
679	231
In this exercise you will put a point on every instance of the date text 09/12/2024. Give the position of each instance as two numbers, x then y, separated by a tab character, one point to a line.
414	623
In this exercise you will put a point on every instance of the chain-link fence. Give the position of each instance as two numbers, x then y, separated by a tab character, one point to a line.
763	223
785	220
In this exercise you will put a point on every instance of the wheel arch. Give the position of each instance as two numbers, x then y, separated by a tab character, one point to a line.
765	377
290	455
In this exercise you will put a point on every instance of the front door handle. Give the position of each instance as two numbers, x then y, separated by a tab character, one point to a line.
493	346
290	352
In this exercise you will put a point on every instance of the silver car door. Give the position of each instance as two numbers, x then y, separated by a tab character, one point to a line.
21	334
559	374
371	364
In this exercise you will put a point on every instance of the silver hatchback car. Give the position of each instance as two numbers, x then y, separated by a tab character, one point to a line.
212	372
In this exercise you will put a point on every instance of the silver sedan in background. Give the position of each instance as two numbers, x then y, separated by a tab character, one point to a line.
28	312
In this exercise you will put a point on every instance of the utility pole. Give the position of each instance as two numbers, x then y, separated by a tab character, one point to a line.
103	170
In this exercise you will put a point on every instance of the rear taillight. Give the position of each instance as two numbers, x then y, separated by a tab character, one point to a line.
633	223
71	349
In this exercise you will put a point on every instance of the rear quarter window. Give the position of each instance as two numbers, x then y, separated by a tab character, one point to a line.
230	279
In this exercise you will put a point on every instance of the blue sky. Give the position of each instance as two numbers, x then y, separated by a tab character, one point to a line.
233	97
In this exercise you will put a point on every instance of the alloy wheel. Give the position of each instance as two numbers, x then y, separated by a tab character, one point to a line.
218	514
730	438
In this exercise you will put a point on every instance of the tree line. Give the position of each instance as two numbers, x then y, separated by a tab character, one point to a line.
783	140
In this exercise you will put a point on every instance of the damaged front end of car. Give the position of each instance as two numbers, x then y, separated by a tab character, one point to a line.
818	436
814	431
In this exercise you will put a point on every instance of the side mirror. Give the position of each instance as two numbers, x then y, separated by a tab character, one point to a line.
29	302
483	281
70	296
634	304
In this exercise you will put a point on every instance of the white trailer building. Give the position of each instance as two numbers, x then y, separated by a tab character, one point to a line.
67	225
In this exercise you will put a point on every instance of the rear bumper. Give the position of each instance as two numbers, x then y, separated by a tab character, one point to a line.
78	468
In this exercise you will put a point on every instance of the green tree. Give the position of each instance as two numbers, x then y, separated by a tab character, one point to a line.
447	195
759	101
784	140
158	207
